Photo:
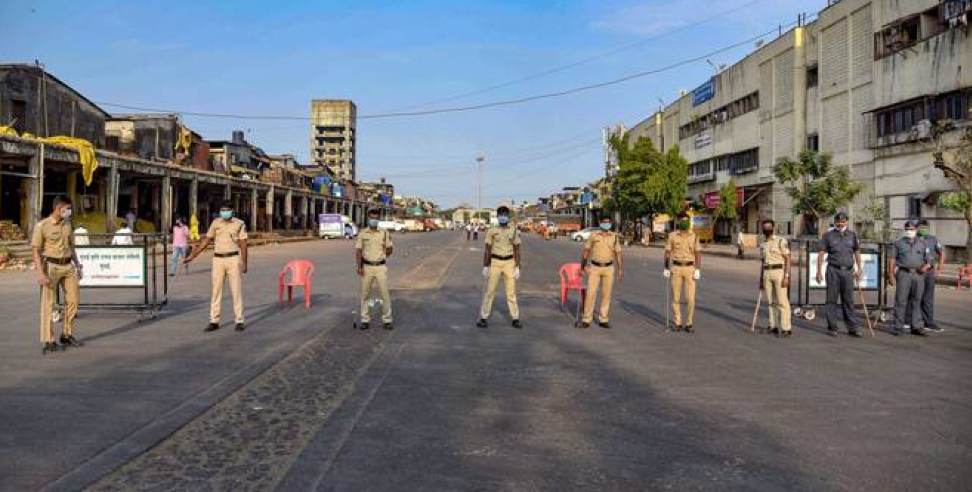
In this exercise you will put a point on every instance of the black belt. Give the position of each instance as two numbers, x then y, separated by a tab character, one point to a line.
909	269
58	261
772	267
683	263
373	263
226	255
602	264
498	257
831	265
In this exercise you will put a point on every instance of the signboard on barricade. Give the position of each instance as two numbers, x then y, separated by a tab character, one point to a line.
870	264
112	266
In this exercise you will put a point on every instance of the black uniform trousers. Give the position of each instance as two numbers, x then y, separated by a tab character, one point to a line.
840	298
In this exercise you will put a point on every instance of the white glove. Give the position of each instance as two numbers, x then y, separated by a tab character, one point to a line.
485	272
697	275
667	273
516	273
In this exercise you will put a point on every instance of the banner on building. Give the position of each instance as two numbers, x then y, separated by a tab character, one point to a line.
869	266
703	93
703	139
112	266
712	199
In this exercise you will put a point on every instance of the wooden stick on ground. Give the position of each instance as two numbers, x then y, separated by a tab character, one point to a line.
867	316
759	300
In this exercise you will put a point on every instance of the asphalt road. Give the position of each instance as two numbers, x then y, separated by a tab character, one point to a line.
300	401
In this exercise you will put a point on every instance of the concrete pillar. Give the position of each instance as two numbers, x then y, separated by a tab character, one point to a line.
194	198
288	209
111	200
303	212
227	192
270	209
72	189
313	214
254	210
35	190
166	204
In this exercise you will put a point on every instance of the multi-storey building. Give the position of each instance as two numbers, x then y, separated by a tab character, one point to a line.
333	136
862	82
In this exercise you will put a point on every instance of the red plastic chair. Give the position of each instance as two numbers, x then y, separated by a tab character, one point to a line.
301	275
964	273
571	278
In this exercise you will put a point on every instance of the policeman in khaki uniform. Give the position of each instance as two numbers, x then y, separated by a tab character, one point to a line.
603	250
501	259
57	263
372	248
683	260
774	279
228	235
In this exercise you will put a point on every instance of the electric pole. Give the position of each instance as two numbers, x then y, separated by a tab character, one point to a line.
479	184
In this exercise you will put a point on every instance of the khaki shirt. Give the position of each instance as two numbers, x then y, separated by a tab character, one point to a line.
682	245
52	239
602	246
502	239
774	249
225	234
372	243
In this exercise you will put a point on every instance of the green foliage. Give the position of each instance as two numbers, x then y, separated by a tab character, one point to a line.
876	213
958	201
649	182
815	185
728	209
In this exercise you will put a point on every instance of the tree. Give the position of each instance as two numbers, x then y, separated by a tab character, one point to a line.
955	161
649	182
728	208
817	188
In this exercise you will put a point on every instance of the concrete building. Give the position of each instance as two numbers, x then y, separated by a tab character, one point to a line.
856	83
333	136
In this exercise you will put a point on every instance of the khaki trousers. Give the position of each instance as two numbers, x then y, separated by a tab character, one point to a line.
777	299
228	268
72	294
375	274
683	275
506	269
602	277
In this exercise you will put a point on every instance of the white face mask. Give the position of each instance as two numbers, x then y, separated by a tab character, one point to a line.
910	234
66	213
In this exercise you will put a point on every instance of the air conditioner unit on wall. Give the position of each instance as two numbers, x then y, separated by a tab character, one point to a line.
921	131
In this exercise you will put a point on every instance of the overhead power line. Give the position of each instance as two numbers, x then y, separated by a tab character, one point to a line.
474	107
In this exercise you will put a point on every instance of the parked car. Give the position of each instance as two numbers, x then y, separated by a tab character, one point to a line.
583	234
391	225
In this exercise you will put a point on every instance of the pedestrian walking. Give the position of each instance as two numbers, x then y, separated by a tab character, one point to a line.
372	249
348	231
603	250
228	235
475	232
57	264
131	218
774	279
501	258
927	303
910	260
683	263
180	245
842	249
468	232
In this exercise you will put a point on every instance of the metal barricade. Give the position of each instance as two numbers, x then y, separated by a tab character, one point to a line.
871	292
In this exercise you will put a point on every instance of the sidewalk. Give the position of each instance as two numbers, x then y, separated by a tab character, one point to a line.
948	277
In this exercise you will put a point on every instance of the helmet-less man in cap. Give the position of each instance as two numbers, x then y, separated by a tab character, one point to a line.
603	251
501	259
57	263
371	250
228	235
910	259
683	260
937	264
774	278
842	249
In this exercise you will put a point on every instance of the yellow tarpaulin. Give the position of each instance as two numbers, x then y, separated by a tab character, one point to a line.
193	228
185	140
8	130
86	154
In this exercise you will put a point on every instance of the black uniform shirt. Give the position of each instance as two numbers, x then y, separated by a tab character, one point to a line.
910	253
840	247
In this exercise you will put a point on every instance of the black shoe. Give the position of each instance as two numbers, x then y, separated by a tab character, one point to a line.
688	329
364	325
831	332
855	334
481	323
211	327
918	332
49	347
774	331
897	332
605	325
785	334
240	327
583	325
935	329
517	324
388	326
677	328
70	341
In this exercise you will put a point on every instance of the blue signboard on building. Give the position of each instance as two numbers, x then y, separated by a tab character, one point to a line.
703	93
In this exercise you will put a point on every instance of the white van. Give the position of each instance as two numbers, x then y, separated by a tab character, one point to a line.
334	226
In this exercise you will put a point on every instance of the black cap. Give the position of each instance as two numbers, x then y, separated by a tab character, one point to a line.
911	223
840	216
682	215
373	211
503	209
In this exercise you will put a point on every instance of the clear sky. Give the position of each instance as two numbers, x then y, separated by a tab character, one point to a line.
272	58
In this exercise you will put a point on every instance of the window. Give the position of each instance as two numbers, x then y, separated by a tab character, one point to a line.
744	162
722	163
112	142
18	113
896	37
956	105
813	76
914	207
721	115
813	142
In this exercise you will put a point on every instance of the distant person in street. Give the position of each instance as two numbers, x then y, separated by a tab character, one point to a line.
842	249
910	260
683	260
180	245
57	264
501	258
601	259
774	279
371	250
927	303
468	232
81	236
475	232
122	237
228	235
130	218
348	231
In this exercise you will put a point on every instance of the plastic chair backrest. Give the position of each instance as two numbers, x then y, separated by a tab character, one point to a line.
300	271
571	275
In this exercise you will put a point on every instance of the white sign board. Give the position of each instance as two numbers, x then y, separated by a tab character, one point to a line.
869	279
119	266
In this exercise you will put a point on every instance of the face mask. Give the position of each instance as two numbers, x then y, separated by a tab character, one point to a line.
503	219
910	234
923	232
683	225
373	223
66	213
605	226
841	228
226	214
767	232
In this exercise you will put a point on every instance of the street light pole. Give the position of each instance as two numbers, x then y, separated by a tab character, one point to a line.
479	184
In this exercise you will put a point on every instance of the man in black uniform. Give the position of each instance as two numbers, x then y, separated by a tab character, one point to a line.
937	251
843	269
912	257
